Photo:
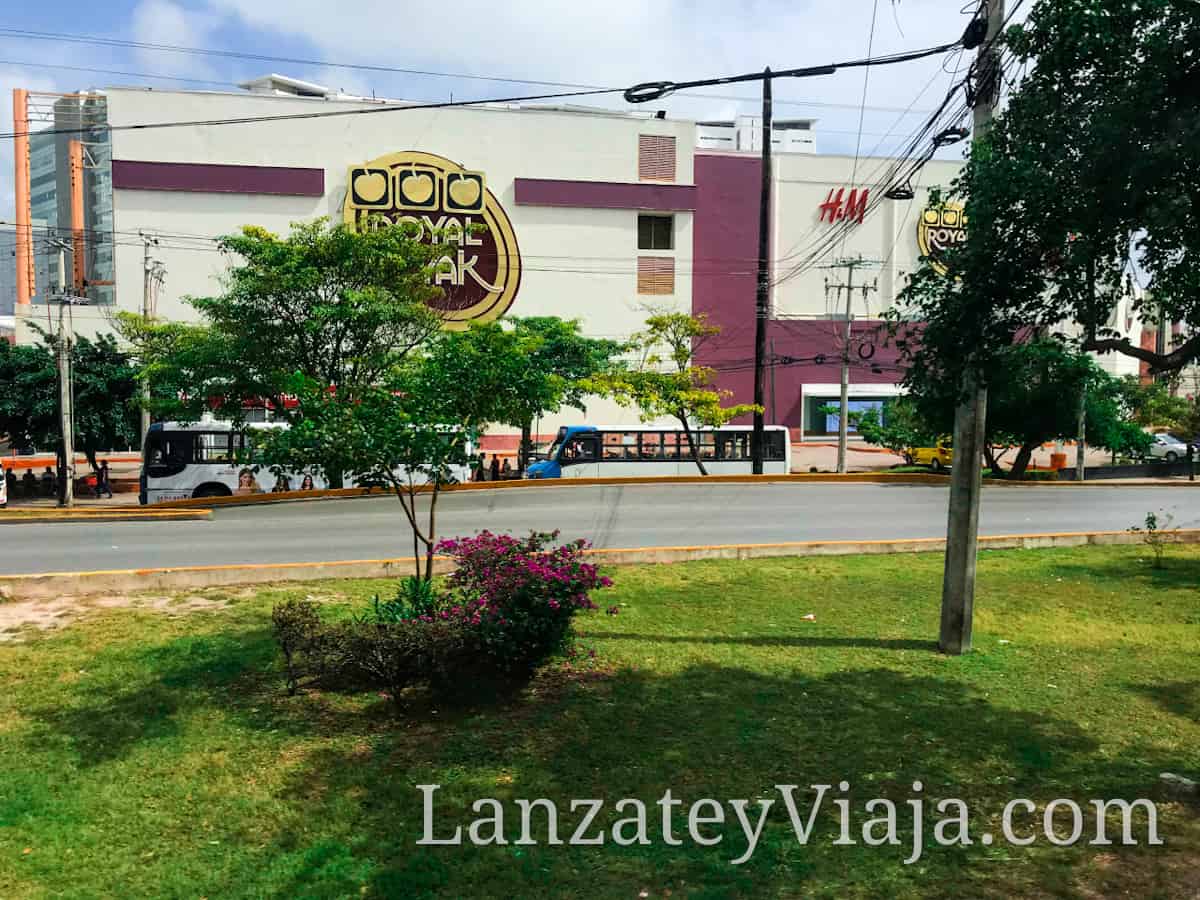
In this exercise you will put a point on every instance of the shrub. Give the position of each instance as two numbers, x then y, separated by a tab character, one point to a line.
1156	535
508	608
416	598
516	596
296	630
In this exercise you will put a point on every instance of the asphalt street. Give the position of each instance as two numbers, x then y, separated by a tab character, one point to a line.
617	516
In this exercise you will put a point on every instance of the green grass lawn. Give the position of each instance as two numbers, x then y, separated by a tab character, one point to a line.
150	755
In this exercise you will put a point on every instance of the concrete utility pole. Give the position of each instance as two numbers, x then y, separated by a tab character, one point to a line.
1081	436
966	474
762	298
66	404
847	339
147	312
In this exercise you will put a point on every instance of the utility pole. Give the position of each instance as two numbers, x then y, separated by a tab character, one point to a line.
66	488
762	298
847	340
966	474
774	366
147	312
1081	436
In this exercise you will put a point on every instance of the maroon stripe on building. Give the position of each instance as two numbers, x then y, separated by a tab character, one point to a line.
725	247
217	178
604	194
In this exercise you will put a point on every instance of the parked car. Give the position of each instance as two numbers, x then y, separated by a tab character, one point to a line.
1168	447
938	457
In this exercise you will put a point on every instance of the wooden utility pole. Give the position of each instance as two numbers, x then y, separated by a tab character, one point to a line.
763	296
966	474
847	340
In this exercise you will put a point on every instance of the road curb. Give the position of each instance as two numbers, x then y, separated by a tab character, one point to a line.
45	585
20	517
795	478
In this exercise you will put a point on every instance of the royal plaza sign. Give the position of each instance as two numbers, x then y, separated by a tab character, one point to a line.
941	228
480	271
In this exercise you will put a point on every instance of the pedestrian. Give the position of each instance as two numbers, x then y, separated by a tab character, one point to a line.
29	484
495	474
49	482
103	484
481	468
14	489
506	471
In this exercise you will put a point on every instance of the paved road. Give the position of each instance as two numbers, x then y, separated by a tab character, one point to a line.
624	516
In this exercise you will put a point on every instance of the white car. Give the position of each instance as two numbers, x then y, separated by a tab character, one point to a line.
1168	447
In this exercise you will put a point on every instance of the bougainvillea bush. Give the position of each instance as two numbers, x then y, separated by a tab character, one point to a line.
518	595
504	611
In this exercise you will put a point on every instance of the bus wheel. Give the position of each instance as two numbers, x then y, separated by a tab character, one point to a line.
211	490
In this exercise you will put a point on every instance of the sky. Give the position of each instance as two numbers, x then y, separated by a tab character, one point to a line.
614	43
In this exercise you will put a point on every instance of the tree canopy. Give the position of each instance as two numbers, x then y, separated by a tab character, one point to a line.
664	380
1090	173
105	387
339	307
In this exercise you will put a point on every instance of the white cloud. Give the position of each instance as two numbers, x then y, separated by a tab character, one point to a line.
164	22
619	42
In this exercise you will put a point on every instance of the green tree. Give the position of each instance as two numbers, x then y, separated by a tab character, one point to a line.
665	381
105	385
1154	406
898	428
1095	160
553	370
339	307
410	431
1033	398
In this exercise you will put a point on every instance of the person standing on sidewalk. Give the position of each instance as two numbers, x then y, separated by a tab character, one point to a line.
103	485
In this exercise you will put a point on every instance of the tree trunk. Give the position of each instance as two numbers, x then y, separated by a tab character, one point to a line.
1017	472
526	446
334	479
429	540
687	431
989	457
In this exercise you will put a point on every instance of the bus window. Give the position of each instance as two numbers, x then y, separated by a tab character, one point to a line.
651	445
673	441
613	448
214	447
579	450
775	445
168	452
706	442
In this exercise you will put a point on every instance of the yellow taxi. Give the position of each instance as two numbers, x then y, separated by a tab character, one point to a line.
938	457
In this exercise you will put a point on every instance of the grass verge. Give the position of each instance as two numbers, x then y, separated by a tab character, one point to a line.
155	755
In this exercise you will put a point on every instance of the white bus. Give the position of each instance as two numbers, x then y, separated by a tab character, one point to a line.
181	461
588	451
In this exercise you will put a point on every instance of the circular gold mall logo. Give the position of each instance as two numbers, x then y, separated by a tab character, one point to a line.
941	229
480	271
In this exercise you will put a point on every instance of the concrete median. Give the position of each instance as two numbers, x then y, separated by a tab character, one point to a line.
37	586
133	514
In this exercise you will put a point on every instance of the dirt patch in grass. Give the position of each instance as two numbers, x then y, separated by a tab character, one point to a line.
19	620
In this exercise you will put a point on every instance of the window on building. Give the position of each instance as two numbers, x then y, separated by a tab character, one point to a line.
656	232
656	157
656	275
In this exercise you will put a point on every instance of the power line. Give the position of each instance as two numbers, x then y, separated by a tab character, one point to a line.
289	117
261	57
862	111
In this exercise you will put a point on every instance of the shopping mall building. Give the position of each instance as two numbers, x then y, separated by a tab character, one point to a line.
544	210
